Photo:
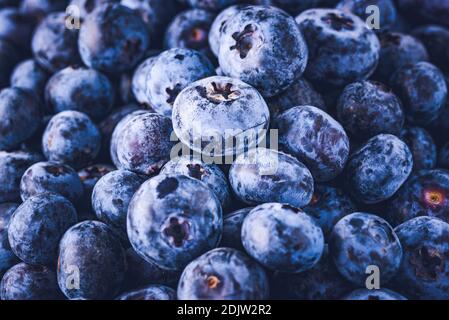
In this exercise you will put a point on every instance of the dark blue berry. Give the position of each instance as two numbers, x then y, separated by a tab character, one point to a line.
7	256
232	229
422	146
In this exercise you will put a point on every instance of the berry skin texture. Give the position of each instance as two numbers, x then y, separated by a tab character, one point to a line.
94	249
20	113
190	30
174	219
139	80
424	194
111	196
37	226
223	274
54	46
7	256
360	240
80	89
71	137
328	206
315	138
380	294
54	177
12	166
378	169
342	48
86	7
215	5
436	40
424	269
152	292
113	39
422	89
170	73
211	113
232	229
29	75
210	174
265	175
282	238
396	51
145	143
367	108
27	282
422	146
263	47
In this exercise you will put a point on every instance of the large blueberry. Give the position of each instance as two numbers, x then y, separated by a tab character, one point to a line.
342	48
71	137
37	225
378	169
265	175
174	219
91	262
113	38
263	47
220	116
210	174
361	240
315	138
20	113
51	177
223	274
282	237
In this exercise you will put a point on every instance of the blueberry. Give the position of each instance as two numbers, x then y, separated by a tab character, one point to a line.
9	56
16	27
263	47
29	75
12	167
282	238
293	7
396	51
20	113
424	269
431	10
86	7
173	219
422	146
218	25
54	45
37	225
117	133
423	90
51	177
113	39
232	229
71	137
378	169
190	30
223	274
210	174
220	116
139	80
367	108
328	206
7	256
38	9
142	273
342	48
111	196
436	40
80	89
27	282
380	294
91	251
361	8
145	143
360	240
265	175
322	282
443	156
424	194
315	138
170	73
300	93
152	292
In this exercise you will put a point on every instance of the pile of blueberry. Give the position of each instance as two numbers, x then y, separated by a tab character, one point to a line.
118	181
